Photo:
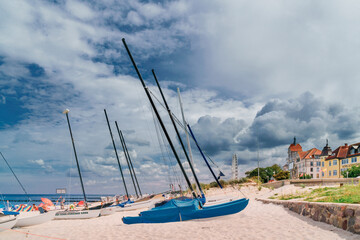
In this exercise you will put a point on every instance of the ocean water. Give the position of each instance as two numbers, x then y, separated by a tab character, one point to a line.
16	199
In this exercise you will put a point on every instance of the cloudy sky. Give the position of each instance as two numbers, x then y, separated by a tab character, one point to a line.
252	74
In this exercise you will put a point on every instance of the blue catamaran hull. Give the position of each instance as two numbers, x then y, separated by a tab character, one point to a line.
176	211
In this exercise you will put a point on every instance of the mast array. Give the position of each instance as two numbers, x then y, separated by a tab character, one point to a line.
117	156
126	154
178	134
160	120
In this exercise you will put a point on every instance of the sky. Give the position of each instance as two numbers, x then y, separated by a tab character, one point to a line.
252	75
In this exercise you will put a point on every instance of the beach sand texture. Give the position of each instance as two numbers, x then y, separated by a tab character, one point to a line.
257	221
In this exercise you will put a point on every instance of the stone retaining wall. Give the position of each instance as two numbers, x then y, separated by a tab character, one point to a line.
313	182
345	216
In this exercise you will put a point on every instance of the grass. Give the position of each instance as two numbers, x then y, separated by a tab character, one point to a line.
345	194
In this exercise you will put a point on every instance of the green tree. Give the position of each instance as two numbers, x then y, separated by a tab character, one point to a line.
353	172
282	175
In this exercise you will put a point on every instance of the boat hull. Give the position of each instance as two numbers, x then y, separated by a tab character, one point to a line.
7	222
177	211
26	219
108	211
77	214
135	206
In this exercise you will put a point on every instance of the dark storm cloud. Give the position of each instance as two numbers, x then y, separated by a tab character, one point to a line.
306	117
215	135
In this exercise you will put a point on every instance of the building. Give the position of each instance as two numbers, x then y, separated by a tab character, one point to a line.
310	163
294	151
300	163
234	168
332	164
352	157
326	152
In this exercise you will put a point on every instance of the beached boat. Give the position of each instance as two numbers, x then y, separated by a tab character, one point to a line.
136	205
26	219
7	221
108	210
77	214
176	211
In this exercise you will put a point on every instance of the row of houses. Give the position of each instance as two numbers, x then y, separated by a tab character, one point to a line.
321	164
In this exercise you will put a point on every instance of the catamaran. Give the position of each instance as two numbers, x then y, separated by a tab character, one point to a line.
179	210
78	213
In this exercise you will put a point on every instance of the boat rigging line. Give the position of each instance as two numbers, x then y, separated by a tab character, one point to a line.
128	160
178	135
27	195
160	120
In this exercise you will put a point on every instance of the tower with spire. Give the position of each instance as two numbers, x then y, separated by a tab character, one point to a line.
234	167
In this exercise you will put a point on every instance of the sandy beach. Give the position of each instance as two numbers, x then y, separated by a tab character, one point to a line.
257	221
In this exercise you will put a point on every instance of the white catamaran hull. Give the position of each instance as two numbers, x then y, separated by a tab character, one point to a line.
135	206
77	214
7	222
26	219
210	202
108	211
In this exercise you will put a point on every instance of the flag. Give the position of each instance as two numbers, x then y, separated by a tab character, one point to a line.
301	174
324	170
220	175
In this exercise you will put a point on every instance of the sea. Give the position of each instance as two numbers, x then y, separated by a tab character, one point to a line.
16	199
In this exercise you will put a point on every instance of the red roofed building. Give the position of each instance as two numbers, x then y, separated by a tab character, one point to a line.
332	164
301	162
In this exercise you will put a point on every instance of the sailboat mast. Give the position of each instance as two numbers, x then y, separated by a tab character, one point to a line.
127	160
202	154
132	167
27	195
177	133
117	156
186	132
159	119
76	158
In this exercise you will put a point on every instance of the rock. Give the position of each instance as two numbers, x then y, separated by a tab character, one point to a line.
349	212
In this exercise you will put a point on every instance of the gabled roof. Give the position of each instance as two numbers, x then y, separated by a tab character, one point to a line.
339	153
310	153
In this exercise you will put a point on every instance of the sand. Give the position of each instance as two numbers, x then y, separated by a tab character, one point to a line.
256	221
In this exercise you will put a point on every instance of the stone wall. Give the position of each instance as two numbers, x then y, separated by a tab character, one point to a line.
345	216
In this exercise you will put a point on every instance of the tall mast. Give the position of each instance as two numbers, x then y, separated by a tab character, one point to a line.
132	167
76	158
202	154
27	195
184	122
159	119
127	160
117	156
177	133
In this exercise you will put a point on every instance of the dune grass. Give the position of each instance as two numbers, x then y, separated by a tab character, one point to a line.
344	194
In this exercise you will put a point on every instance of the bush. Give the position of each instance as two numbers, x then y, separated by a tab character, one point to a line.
353	172
282	175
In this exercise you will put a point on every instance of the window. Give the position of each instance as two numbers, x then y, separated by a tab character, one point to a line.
311	175
335	172
334	162
311	164
322	174
329	173
318	164
322	164
311	169
353	160
317	169
329	163
345	161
